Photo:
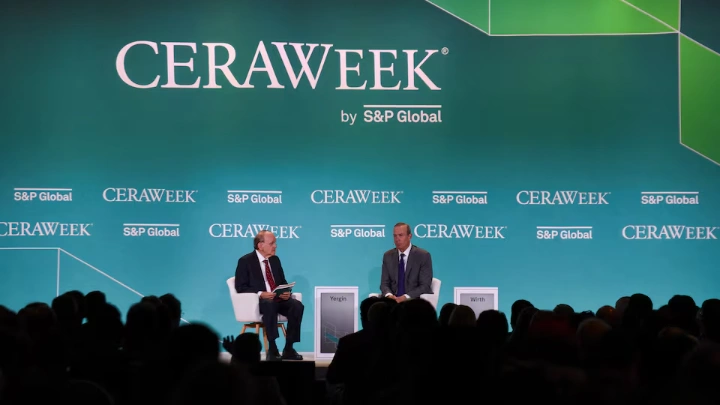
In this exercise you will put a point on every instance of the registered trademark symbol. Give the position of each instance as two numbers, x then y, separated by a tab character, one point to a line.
445	50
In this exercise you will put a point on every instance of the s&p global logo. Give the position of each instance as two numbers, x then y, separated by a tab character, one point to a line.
43	194
574	197
8	229
355	197
357	231
670	197
232	230
356	67
254	196
460	197
459	231
148	195
564	232
669	232
152	230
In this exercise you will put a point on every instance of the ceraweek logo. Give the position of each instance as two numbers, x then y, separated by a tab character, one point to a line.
152	230
254	196
357	231
44	229
43	194
411	63
355	197
148	195
527	197
459	231
564	232
232	230
460	197
670	197
669	232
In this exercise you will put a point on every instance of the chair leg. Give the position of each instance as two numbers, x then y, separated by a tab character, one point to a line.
282	327
265	338
243	329
257	328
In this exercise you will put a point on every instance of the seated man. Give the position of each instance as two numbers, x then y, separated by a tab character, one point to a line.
407	269
260	272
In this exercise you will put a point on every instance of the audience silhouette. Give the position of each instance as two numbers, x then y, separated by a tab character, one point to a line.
79	350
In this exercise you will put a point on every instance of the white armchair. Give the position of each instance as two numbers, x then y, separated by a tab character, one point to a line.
431	298
247	311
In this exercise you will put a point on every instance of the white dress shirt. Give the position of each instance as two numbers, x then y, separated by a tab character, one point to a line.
404	259
262	259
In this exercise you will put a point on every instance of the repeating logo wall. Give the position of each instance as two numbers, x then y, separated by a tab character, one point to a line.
559	162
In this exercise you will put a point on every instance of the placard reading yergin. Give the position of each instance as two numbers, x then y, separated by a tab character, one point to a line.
336	316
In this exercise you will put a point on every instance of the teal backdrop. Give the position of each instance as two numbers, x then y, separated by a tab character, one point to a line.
600	118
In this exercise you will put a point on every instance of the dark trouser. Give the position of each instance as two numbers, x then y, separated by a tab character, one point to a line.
292	309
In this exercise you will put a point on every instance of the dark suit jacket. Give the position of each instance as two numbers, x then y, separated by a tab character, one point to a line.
249	273
351	358
418	272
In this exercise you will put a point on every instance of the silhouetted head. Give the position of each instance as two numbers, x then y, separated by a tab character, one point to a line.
493	326
246	349
364	308
416	314
174	308
709	319
94	300
461	316
564	309
66	311
79	298
379	316
591	334
192	344
37	319
517	307
445	313
683	304
606	313
639	307
107	328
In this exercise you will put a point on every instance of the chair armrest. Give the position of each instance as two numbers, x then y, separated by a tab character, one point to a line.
374	295
297	296
246	306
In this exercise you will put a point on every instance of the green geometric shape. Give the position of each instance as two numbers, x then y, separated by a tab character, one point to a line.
474	12
699	99
526	17
668	11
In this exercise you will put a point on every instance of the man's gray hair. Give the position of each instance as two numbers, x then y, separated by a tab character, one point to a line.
260	237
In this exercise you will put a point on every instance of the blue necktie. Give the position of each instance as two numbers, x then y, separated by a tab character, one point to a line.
401	276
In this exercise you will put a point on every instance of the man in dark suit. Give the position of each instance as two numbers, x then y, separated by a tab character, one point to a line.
407	269
260	272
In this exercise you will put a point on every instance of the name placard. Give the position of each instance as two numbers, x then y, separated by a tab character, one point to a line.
336	315
478	298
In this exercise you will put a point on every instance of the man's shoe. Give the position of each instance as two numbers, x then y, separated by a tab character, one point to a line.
291	354
272	355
